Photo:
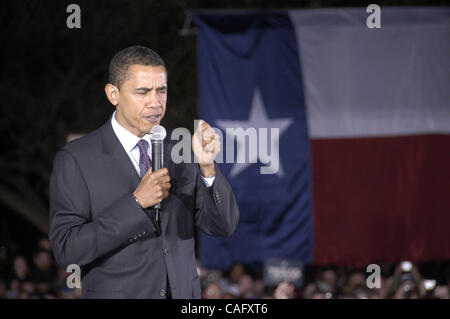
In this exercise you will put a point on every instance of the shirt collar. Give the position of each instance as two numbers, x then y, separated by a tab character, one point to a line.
126	138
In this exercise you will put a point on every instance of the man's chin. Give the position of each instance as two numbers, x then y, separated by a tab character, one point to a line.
148	127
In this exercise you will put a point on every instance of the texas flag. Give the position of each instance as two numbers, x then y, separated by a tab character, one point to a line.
362	119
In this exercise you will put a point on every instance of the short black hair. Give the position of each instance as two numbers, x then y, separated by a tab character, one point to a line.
136	54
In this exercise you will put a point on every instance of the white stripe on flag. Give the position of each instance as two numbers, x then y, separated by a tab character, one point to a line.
375	82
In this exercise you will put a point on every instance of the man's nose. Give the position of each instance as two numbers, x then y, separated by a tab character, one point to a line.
152	100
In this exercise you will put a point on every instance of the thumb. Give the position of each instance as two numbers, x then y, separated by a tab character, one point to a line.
149	171
199	129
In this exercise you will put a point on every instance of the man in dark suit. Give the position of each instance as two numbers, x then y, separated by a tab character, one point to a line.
102	193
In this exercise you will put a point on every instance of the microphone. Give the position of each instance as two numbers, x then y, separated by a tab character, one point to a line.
157	135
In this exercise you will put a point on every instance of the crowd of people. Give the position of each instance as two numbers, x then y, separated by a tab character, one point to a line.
405	282
38	277
35	277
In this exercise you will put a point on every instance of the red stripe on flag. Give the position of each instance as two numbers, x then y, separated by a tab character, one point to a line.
381	199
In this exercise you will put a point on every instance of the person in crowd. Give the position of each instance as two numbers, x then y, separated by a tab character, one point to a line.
212	291
44	274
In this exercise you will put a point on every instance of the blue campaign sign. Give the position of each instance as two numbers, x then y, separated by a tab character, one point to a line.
279	270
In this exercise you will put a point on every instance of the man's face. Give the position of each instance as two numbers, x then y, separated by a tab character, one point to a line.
142	99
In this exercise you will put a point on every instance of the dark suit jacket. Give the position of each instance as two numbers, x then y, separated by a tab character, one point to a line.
96	223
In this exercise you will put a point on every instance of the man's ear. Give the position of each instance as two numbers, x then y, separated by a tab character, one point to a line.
113	94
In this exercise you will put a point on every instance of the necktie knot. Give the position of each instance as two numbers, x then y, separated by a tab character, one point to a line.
144	159
143	146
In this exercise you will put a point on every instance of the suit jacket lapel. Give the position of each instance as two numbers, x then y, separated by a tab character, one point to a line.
119	157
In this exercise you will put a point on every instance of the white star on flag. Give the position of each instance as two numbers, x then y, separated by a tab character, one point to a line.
258	119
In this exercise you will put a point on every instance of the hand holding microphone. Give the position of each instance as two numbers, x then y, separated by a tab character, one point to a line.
155	184
153	188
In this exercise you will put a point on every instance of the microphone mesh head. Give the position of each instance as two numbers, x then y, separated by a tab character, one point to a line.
158	133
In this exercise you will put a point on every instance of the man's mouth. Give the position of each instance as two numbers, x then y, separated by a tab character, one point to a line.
153	117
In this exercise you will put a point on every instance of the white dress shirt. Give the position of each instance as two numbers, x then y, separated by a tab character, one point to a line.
129	142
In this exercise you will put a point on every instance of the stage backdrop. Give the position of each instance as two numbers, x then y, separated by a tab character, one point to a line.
364	133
